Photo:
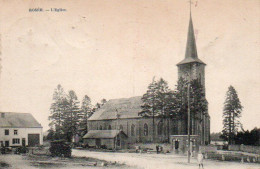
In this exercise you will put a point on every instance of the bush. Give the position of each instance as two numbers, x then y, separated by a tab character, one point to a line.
60	148
21	150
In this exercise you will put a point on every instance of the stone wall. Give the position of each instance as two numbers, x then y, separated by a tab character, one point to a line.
245	148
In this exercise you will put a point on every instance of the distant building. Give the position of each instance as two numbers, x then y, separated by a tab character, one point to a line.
107	138
123	113
19	129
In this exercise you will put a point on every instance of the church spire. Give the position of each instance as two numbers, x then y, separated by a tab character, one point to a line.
191	49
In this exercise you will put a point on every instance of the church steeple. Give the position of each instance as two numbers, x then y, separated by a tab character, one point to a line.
191	67
191	49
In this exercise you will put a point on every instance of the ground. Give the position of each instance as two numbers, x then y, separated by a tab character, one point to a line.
115	160
161	161
13	161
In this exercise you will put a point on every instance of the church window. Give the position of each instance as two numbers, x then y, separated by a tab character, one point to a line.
109	127
145	129
100	127
160	128
133	130
121	127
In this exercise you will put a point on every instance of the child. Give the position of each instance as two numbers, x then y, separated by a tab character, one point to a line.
200	159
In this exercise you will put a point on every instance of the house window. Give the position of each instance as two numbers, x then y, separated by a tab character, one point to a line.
145	129
160	128
15	132
109	127
133	130
16	141
100	127
6	132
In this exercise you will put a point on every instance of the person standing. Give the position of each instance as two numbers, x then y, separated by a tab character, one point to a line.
200	159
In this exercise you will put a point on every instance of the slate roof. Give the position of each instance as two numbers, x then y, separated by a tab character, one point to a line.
93	134
191	49
126	107
18	120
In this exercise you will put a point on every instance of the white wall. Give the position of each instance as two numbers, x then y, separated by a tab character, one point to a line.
22	133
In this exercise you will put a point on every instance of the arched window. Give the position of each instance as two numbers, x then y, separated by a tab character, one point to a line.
160	128
145	129
133	130
109	127
121	127
100	127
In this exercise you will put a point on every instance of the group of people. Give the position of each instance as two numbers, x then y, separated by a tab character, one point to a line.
159	149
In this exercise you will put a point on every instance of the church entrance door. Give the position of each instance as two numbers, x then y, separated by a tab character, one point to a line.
98	142
176	144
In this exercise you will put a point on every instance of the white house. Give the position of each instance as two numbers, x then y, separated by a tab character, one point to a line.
19	129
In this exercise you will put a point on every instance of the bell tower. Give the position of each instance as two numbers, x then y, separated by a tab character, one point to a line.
191	67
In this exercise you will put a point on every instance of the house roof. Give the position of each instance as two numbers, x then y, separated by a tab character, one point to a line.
125	108
19	120
92	134
191	49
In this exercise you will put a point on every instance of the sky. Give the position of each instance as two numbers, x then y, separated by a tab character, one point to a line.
113	49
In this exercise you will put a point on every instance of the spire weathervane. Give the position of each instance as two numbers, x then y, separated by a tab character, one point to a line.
190	7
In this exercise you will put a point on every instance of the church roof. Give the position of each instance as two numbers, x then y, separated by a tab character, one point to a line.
93	134
18	120
125	108
191	49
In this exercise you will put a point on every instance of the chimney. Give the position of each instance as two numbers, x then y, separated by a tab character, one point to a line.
2	115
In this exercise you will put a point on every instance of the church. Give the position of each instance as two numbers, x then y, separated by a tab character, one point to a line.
117	123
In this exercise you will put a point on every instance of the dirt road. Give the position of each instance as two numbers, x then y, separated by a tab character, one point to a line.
161	161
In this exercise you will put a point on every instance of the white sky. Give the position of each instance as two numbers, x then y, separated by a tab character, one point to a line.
112	49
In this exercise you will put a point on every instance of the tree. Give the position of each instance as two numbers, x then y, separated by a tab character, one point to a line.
216	136
198	103
231	114
71	115
57	111
86	112
51	134
165	106
159	101
248	137
150	103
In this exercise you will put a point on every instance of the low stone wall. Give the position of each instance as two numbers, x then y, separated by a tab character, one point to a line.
234	147
250	149
245	148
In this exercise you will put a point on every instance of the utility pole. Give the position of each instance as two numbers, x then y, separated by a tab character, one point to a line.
188	93
117	128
